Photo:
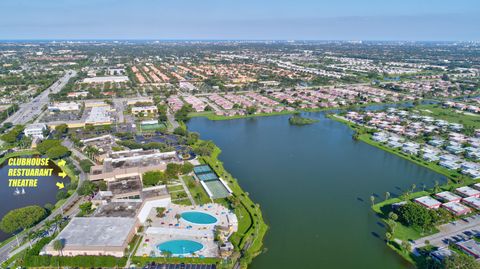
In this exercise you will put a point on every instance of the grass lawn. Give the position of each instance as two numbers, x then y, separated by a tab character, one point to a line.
449	114
196	190
178	195
175	188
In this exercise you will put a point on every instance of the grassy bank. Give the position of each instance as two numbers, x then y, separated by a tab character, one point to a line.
252	228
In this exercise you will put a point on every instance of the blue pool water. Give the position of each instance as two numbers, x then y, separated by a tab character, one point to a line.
199	217
180	247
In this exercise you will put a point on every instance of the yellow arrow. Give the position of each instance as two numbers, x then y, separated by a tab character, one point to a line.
62	174
61	163
60	185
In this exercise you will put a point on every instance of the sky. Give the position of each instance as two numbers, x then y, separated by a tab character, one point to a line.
425	20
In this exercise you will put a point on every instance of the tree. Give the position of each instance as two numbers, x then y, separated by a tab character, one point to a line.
22	218
60	130
186	168
13	135
57	152
251	110
58	245
151	178
86	165
436	186
178	217
388	236
180	131
86	208
87	188
45	145
406	246
61	195
372	199
413	214
459	261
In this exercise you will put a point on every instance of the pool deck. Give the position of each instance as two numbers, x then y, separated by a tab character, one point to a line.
168	228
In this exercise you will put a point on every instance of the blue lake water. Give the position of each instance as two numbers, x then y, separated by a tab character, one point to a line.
314	184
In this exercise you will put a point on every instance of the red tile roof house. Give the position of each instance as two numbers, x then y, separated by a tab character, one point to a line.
428	202
456	208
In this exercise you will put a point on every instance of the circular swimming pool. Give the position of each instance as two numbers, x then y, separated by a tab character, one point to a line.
196	217
180	247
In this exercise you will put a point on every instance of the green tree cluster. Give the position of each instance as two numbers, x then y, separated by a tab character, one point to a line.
22	218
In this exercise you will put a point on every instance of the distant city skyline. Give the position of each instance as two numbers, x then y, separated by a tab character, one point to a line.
427	20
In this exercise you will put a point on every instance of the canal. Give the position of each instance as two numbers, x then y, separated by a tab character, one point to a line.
44	193
314	185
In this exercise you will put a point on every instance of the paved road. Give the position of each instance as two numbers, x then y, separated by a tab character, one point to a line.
171	119
449	230
33	109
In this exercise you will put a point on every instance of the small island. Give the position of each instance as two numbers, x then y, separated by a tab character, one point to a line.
297	119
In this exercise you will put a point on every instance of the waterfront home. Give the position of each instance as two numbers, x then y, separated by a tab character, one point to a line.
449	164
473	202
468	192
473	173
394	144
380	137
450	158
430	157
447	196
470	247
428	202
456	208
410	150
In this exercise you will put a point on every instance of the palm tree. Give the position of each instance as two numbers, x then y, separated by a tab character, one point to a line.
58	246
178	217
436	187
387	195
372	199
149	222
388	236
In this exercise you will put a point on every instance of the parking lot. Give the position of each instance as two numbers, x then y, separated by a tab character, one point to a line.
452	232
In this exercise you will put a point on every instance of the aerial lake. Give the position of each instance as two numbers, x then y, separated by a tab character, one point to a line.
314	184
44	193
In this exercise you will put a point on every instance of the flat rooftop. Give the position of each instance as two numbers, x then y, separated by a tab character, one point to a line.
467	191
118	209
448	196
428	201
103	231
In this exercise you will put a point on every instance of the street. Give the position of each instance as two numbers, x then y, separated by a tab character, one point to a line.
33	109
